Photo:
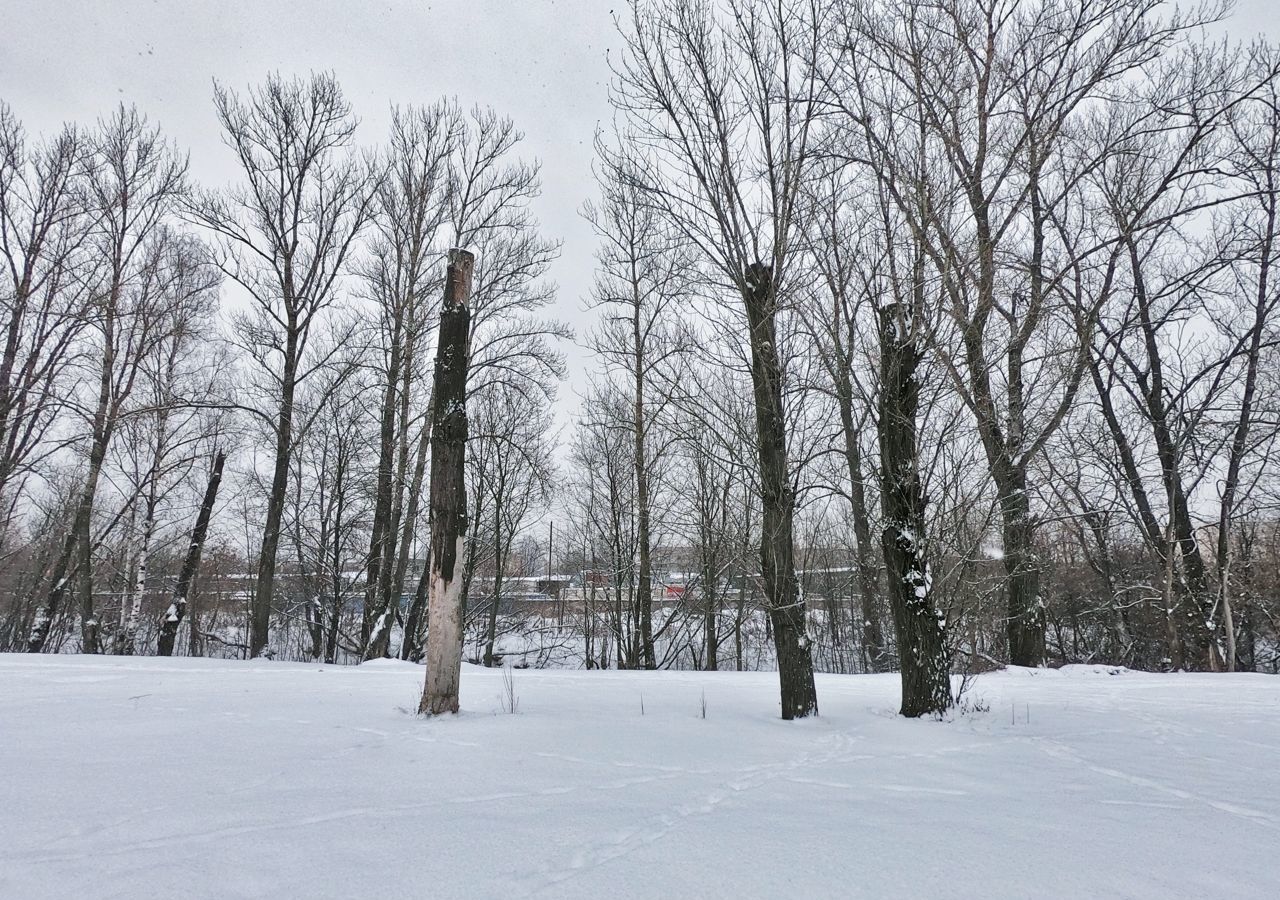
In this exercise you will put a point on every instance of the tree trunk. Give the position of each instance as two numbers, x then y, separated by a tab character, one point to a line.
264	590
103	420
777	564
373	632
922	648
410	646
131	609
873	648
178	605
131	557
644	579
448	492
1025	611
710	620
498	564
67	566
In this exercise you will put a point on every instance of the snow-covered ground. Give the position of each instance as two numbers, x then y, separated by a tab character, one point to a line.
140	778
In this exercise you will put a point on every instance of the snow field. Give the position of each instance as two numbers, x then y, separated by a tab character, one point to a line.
195	778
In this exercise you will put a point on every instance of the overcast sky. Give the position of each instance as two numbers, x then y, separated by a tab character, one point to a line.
543	62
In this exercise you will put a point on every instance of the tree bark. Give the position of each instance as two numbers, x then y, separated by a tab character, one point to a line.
499	562
644	578
264	590
448	492
374	631
873	648
777	564
131	608
410	645
922	647
178	605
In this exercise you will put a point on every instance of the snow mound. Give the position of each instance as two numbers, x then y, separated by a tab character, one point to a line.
391	665
1096	669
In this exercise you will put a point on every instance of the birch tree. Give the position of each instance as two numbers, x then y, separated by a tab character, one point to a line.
135	185
44	231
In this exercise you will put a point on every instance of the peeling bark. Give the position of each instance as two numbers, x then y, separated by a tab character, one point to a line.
448	493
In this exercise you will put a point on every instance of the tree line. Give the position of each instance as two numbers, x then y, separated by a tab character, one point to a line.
156	328
948	326
927	335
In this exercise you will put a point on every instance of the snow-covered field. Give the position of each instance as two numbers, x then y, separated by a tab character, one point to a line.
140	778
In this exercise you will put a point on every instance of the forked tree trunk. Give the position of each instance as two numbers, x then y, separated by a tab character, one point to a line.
922	648
374	631
448	492
411	645
178	605
777	563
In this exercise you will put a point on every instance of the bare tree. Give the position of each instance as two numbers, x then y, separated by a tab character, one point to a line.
922	655
848	244
724	105
973	105
641	274
285	234
510	441
411	209
509	343
161	440
177	608
1155	390
602	454
1253	244
135	184
44	229
331	511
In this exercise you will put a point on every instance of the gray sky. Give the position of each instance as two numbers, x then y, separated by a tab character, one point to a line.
542	62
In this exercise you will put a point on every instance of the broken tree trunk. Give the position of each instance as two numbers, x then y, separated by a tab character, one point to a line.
448	495
922	646
178	605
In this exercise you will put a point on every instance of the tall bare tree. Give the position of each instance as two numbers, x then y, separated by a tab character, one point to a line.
285	233
723	103
411	210
135	185
642	274
973	105
44	229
